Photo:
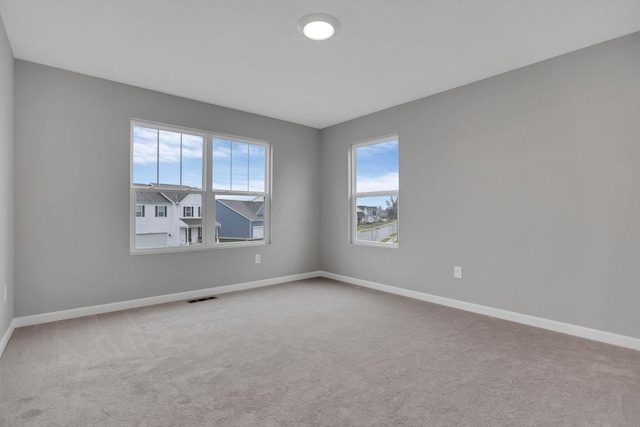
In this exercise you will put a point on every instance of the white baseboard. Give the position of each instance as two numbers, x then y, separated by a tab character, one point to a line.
552	325
7	336
161	299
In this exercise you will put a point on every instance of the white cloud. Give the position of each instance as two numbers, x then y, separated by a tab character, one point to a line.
222	149
377	149
146	144
386	182
240	148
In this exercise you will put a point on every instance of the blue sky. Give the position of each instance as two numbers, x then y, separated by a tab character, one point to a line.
377	170
157	158
151	146
238	166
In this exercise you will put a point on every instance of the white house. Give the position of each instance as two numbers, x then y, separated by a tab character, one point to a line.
168	219
368	214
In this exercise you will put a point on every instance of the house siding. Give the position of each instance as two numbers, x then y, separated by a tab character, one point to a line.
232	224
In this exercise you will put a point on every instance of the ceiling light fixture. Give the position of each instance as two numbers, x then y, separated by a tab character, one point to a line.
318	26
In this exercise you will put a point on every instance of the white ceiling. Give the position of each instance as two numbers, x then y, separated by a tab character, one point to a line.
249	55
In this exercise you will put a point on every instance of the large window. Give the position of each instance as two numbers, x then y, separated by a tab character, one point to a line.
179	172
374	192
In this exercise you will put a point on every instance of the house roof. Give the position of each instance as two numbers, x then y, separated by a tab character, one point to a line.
195	222
164	197
248	209
175	197
151	198
192	221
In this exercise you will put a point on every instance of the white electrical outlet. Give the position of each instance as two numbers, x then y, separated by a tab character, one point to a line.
257	258
457	272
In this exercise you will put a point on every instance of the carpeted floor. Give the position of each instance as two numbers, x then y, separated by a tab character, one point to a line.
315	352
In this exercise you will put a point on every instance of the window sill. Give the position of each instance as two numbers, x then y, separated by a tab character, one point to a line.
193	248
376	244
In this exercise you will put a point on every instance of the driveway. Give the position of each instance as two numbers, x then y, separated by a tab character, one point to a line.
377	234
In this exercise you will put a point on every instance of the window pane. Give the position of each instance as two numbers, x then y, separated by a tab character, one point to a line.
171	166
221	164
239	166
172	229
377	167
192	149
169	147
145	155
256	167
377	219
239	218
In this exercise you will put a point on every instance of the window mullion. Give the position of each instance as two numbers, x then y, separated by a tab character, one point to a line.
209	218
157	157
147	229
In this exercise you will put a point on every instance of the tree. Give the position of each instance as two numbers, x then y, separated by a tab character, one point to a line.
392	207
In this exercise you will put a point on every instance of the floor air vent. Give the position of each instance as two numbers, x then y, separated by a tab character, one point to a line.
191	301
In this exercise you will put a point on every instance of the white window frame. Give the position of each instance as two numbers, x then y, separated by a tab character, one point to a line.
163	209
141	211
353	195
265	194
208	195
187	212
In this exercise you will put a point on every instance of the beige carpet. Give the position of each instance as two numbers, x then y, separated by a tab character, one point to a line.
313	353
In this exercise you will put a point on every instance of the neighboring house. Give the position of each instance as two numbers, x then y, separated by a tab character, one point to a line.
240	219
168	219
368	214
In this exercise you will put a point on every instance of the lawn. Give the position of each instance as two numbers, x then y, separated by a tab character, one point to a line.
363	227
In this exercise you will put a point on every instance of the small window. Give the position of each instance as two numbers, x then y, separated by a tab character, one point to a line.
140	211
187	211
161	211
374	192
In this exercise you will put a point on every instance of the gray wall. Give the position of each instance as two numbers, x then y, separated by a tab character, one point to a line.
6	181
529	180
72	194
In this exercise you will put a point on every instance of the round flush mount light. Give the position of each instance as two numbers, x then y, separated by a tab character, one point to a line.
319	26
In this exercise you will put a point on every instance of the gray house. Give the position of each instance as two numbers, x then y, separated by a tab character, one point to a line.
240	219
